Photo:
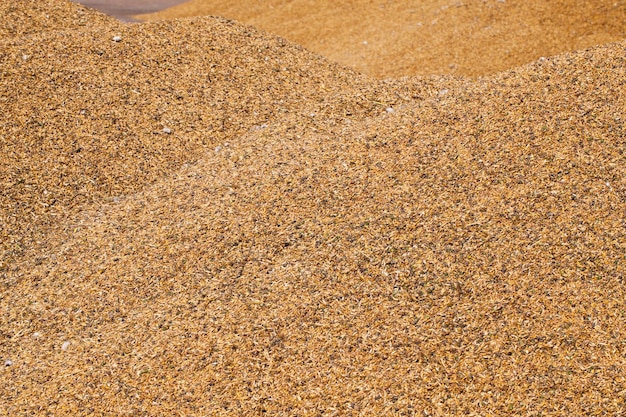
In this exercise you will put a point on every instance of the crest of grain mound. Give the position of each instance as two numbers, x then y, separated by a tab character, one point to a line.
335	246
391	39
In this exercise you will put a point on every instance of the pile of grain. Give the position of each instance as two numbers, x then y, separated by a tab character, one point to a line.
198	218
401	38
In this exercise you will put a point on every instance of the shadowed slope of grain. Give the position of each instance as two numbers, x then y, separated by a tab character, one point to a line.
390	39
459	254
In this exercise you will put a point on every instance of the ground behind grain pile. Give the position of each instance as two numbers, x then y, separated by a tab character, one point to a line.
126	9
203	219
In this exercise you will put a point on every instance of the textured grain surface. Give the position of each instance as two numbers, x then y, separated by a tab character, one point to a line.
202	219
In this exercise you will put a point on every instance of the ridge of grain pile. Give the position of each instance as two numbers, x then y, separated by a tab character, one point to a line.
289	246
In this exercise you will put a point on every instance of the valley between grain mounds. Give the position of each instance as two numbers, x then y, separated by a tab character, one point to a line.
201	218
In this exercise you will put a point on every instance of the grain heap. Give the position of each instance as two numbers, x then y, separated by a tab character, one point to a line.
401	38
202	219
